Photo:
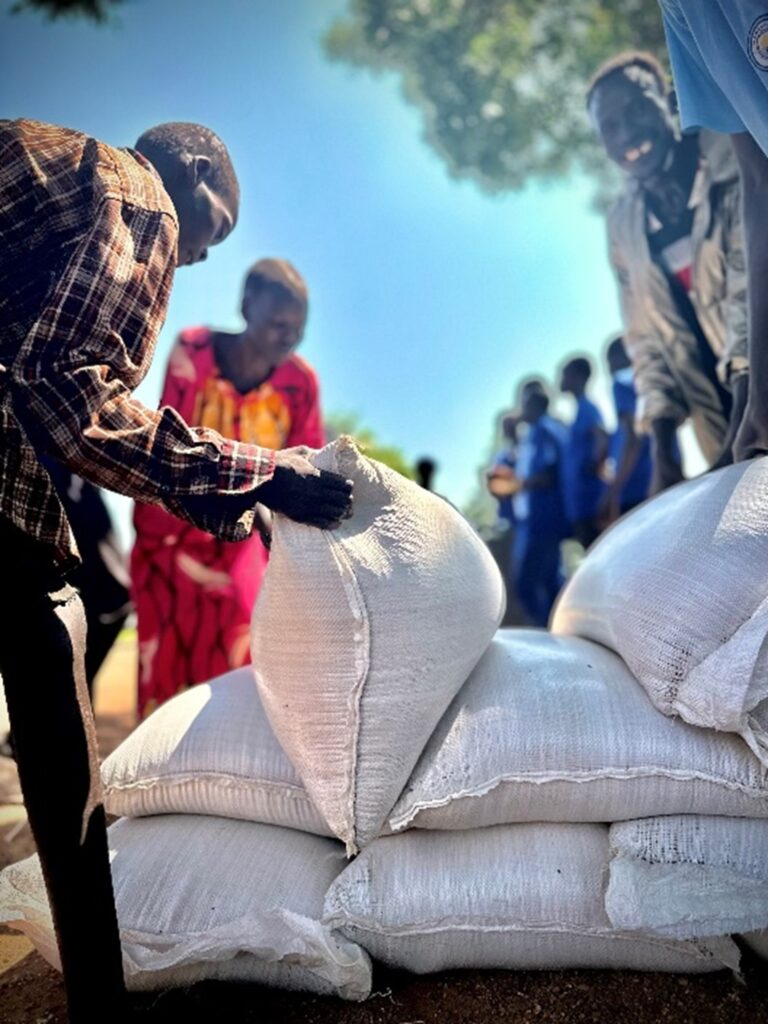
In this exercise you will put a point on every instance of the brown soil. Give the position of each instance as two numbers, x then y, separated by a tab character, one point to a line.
31	991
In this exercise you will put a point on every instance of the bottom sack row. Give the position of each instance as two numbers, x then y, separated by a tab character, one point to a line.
214	898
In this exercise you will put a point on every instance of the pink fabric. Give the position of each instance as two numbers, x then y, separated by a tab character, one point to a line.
193	593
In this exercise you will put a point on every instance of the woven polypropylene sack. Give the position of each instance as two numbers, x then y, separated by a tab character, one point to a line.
512	896
363	635
680	590
210	898
555	728
689	875
210	750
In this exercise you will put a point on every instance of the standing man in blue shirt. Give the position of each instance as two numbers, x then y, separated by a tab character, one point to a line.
585	452
540	522
631	451
719	55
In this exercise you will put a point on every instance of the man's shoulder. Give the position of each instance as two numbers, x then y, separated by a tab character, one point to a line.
55	153
39	133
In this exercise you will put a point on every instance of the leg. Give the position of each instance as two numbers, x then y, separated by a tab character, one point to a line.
552	573
55	746
528	581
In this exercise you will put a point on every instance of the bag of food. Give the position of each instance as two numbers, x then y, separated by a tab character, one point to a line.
209	750
524	897
555	728
363	635
689	875
201	898
679	588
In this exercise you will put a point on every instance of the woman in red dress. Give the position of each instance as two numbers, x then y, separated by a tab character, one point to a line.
194	594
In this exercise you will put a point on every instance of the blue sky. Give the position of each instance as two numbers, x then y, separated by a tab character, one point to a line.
429	300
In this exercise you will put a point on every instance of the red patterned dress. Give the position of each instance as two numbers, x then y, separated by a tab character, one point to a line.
193	593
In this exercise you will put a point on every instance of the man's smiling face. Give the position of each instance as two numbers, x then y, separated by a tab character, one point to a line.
634	121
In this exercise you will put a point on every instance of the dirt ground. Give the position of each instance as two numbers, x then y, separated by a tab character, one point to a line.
31	991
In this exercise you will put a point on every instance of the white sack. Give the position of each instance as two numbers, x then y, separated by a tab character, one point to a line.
555	728
689	875
513	896
203	898
363	635
209	750
679	588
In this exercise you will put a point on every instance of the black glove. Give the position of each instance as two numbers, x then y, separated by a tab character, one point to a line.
305	494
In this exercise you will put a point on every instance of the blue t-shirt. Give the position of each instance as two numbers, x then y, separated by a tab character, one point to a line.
583	488
719	55
636	487
541	449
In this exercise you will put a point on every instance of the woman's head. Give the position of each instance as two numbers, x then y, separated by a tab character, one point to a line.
274	307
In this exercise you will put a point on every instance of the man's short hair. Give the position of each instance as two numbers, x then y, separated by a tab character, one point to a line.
628	59
280	278
580	365
174	139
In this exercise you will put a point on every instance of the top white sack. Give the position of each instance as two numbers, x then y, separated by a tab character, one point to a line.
680	590
363	635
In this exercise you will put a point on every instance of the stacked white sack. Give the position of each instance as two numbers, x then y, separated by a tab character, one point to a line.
688	876
210	750
516	896
555	728
679	588
363	635
202	898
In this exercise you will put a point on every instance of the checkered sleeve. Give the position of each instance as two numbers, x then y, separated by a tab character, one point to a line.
92	345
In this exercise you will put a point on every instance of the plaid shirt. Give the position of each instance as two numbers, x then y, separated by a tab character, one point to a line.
86	267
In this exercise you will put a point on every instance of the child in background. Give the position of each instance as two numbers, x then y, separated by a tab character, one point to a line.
193	593
631	451
585	452
540	522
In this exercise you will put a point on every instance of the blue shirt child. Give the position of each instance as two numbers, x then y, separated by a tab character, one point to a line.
541	449
583	487
638	483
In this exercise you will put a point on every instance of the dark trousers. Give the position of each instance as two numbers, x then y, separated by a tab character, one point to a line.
42	645
538	573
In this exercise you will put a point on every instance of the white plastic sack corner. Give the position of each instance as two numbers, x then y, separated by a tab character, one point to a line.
555	728
689	876
209	898
363	635
209	750
514	896
680	590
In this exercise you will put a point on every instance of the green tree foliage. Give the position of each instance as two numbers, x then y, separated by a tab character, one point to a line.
93	10
500	82
390	455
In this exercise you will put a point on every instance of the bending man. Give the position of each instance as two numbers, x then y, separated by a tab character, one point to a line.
91	238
